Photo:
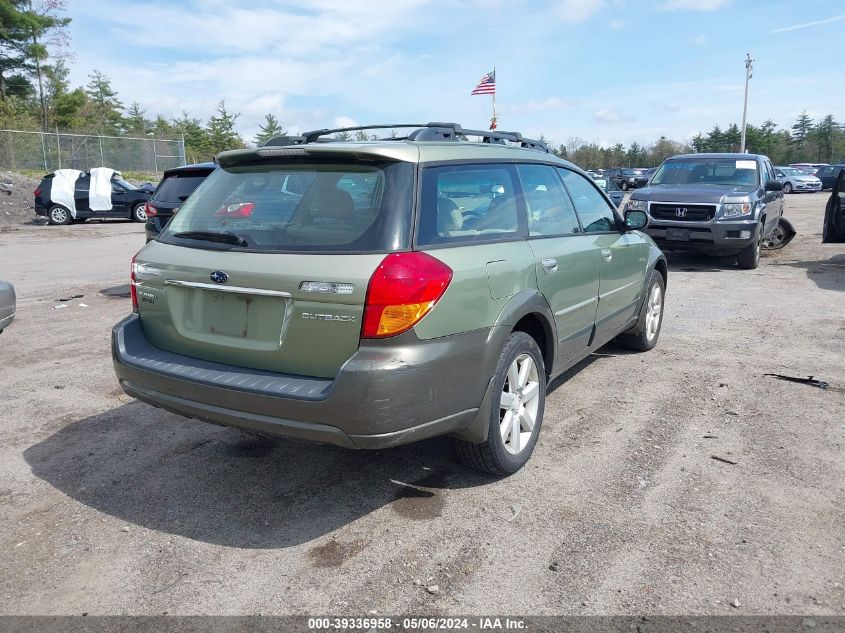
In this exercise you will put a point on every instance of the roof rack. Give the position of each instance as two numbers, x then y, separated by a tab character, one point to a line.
434	131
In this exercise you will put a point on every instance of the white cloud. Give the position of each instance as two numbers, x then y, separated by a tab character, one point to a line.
607	115
807	25
345	121
693	5
616	24
552	103
578	10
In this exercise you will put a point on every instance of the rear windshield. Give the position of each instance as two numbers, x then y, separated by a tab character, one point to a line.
710	171
172	187
323	205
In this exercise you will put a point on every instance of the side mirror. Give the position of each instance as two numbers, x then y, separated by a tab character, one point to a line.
774	185
635	220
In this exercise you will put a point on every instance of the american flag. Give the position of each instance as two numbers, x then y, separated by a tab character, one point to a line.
487	85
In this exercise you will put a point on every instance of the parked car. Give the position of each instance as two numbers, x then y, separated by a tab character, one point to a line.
625	178
7	304
174	188
724	204
794	179
833	228
127	201
808	168
609	187
828	175
442	301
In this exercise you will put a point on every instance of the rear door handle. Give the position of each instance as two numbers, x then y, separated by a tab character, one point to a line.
607	254
549	266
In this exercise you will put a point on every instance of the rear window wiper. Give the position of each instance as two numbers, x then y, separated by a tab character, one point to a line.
213	236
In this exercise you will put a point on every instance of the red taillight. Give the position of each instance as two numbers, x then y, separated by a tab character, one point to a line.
132	292
239	210
150	210
402	290
37	192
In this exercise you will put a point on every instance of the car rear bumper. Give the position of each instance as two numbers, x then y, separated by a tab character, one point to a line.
724	238
390	392
154	225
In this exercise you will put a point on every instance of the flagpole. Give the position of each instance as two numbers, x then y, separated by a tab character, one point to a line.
493	121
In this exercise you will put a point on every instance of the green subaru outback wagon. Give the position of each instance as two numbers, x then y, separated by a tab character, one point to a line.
368	294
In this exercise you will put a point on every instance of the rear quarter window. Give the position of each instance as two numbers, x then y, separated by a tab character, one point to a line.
468	203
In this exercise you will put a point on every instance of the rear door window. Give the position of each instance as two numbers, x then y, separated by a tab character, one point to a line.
300	206
469	203
547	205
596	214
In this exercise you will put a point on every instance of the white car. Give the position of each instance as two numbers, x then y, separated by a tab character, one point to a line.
795	180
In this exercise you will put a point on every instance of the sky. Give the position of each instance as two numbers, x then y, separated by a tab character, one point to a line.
598	70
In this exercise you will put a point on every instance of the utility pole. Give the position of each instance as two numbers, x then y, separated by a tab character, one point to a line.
748	72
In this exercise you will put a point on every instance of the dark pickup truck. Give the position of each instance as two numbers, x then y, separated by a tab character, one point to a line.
723	204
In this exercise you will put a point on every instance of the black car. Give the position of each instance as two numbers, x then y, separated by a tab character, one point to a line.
127	201
833	229
175	187
828	175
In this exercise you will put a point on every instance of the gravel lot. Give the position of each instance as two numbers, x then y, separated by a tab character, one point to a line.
108	506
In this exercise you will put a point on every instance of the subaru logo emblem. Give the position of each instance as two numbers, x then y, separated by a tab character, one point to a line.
219	277
681	212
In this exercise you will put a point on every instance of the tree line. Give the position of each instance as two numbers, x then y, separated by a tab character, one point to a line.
35	94
806	141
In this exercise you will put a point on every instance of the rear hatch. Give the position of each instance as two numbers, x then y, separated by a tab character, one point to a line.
267	265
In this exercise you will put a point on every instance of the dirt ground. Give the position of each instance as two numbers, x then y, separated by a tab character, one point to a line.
108	506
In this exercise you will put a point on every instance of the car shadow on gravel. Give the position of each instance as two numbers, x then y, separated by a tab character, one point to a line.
826	274
221	486
696	263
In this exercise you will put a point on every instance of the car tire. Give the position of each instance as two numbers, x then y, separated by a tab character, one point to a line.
57	214
645	334
749	257
509	442
139	214
787	187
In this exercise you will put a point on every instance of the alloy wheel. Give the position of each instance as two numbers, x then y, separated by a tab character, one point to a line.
58	215
654	309
519	404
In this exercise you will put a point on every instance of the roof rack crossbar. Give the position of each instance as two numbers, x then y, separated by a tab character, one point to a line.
313	135
434	130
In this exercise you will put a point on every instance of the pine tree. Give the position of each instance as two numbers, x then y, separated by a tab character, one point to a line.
221	130
270	129
136	122
800	131
106	109
824	133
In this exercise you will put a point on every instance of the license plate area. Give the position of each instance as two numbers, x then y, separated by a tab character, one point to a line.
220	313
229	319
678	235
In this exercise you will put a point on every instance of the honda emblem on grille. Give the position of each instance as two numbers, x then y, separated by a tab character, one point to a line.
219	277
681	212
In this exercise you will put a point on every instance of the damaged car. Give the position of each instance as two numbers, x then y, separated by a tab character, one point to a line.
719	204
70	195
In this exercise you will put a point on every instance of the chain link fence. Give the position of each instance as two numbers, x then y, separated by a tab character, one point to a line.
49	151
